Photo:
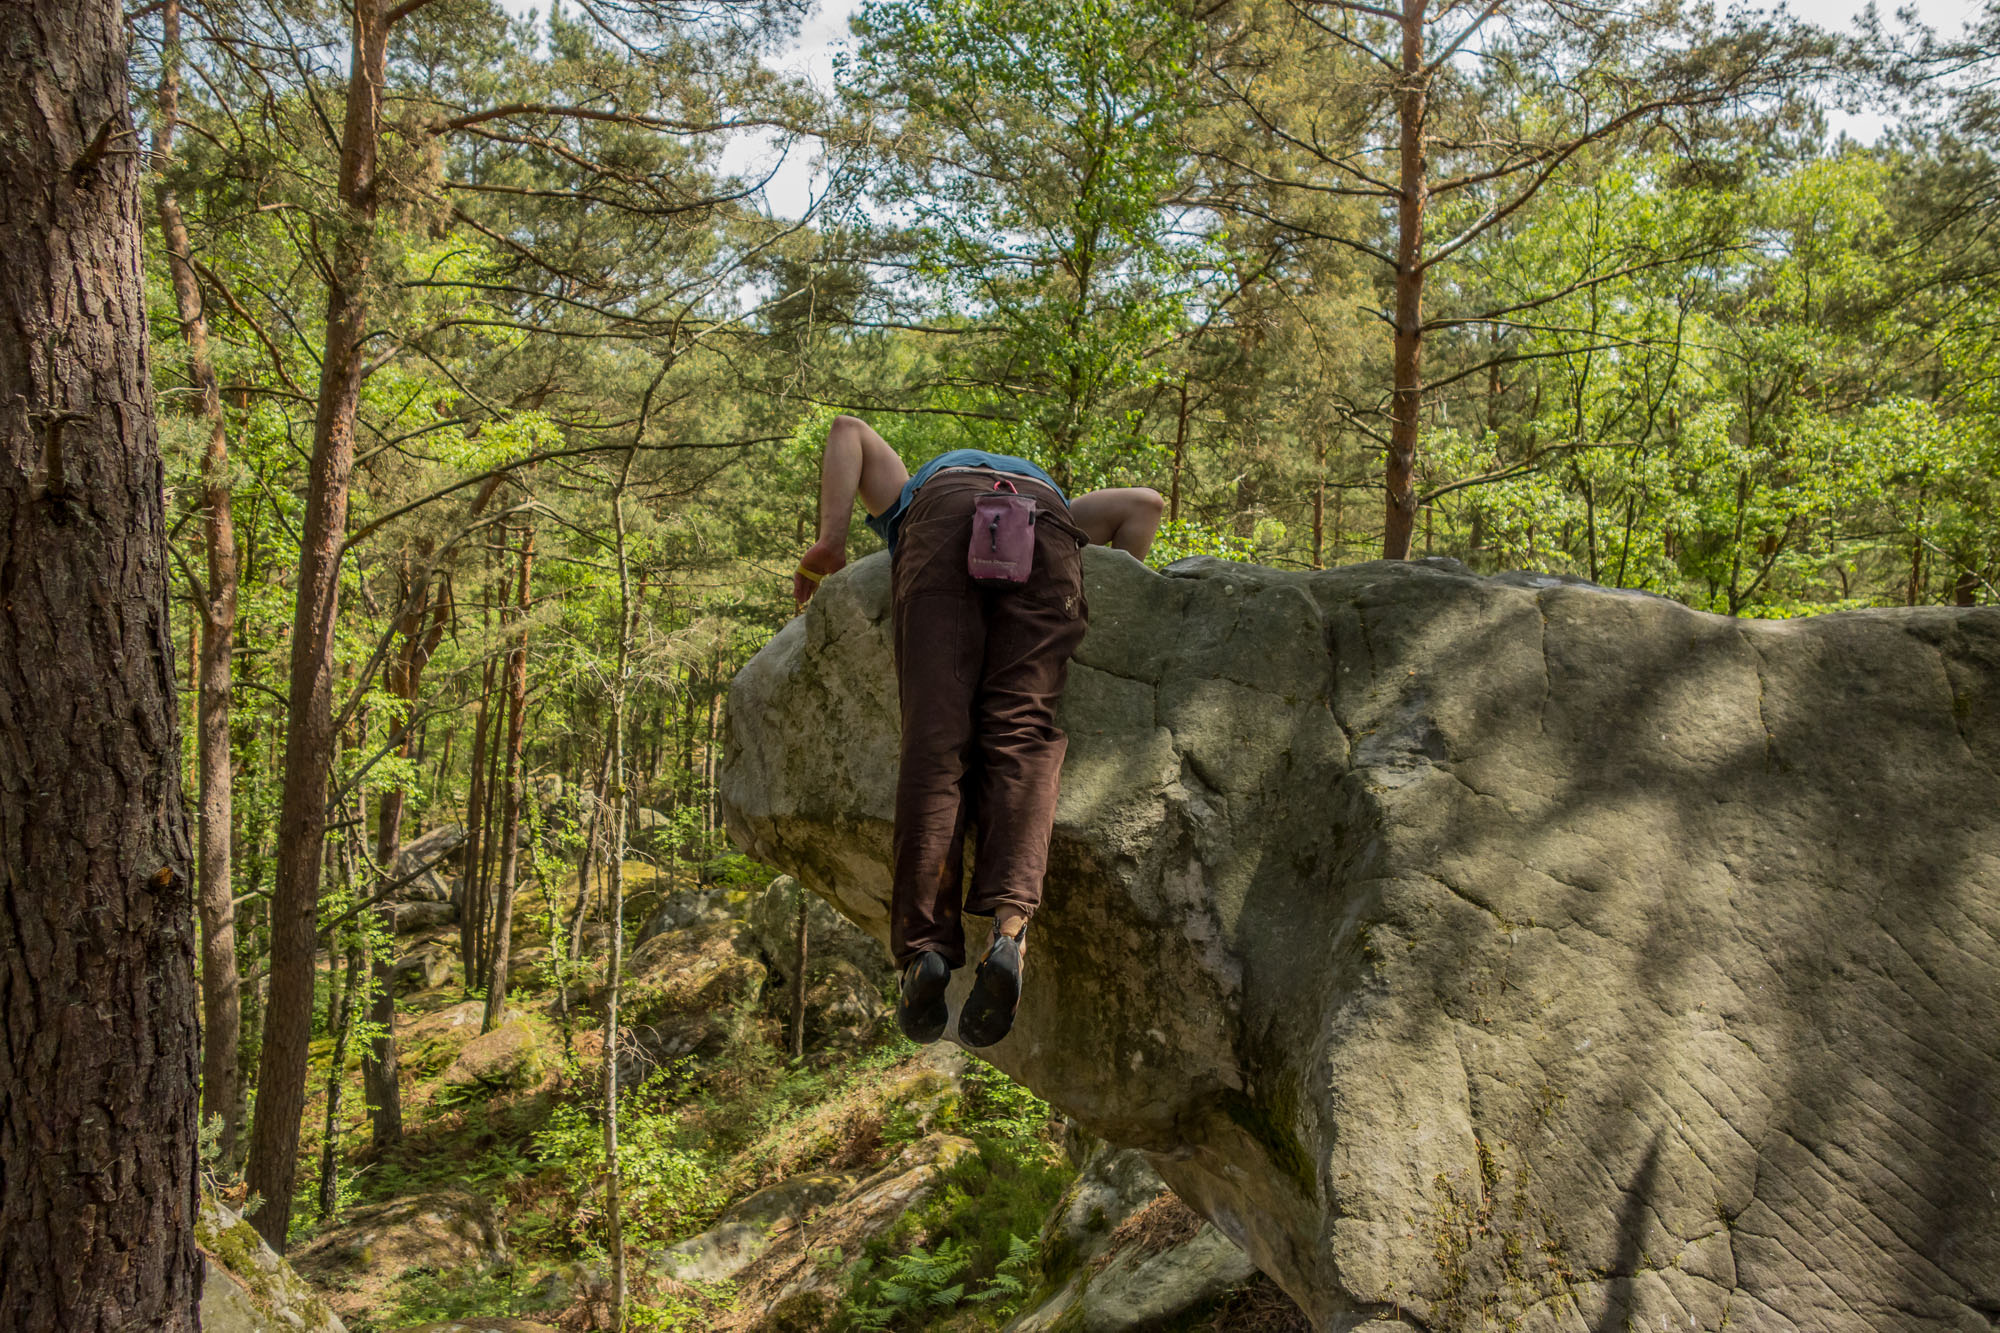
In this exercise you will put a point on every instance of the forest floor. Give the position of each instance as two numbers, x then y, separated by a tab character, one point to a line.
716	1109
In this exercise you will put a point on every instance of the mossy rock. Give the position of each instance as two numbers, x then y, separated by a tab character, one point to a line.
508	1057
247	1287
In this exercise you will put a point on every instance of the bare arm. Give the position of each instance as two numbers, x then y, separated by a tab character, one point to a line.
857	463
1126	517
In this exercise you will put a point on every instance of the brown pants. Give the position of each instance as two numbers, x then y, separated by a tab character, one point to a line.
980	672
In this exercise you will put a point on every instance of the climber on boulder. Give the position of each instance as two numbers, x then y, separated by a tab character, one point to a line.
980	666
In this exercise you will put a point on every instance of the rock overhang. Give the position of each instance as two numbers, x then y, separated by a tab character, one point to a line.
1419	923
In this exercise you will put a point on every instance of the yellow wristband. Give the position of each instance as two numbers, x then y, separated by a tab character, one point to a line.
810	575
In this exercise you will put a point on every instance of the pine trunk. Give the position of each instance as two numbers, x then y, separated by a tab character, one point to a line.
1406	397
510	830
475	833
281	1073
380	1059
222	1092
97	995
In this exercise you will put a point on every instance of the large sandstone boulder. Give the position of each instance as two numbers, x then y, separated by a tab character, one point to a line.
1496	952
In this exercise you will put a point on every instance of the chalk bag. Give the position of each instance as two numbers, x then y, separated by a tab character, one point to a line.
1002	552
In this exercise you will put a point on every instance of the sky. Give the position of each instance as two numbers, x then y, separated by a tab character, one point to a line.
824	33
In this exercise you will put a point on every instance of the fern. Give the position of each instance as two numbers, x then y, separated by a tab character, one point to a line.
1010	1281
919	1280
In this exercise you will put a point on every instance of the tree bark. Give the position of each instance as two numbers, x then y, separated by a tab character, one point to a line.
510	822
281	1073
336	1077
483	899
1406	398
589	857
380	1059
475	833
99	1042
619	682
222	1092
799	983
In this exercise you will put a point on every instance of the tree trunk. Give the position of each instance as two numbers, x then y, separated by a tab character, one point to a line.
222	1093
482	916
1319	506
589	857
336	1082
281	1074
475	832
799	983
613	1215
510	830
1406	399
98	1115
380	1060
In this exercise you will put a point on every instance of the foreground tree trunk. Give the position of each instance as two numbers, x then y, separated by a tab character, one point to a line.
222	1091
281	1073
98	1038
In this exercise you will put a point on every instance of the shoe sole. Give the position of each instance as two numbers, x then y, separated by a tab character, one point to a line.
996	994
922	1016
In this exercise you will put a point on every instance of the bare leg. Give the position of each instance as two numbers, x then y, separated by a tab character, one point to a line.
858	462
1126	517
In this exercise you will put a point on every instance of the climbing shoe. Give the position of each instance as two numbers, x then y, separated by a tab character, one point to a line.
920	1007
996	991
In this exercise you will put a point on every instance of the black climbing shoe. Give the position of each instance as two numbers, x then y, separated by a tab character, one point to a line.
920	1010
996	991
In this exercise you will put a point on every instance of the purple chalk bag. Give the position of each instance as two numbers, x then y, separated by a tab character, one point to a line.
1002	552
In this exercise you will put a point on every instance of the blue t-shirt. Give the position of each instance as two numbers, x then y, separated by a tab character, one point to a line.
887	523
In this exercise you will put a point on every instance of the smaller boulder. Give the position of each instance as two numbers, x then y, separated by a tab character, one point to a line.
796	1198
449	1231
409	918
428	887
716	1255
1124	1254
432	849
844	1005
774	920
507	1057
484	1324
528	969
648	827
687	908
421	970
646	1047
703	969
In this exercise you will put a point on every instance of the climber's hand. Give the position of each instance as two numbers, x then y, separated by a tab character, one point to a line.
821	558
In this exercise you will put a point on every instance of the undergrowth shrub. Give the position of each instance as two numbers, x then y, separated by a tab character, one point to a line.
666	1176
425	1296
970	1244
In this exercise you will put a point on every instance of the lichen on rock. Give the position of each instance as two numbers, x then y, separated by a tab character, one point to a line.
1490	952
246	1286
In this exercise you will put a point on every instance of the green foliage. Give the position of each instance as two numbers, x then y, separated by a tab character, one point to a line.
424	1296
665	1179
